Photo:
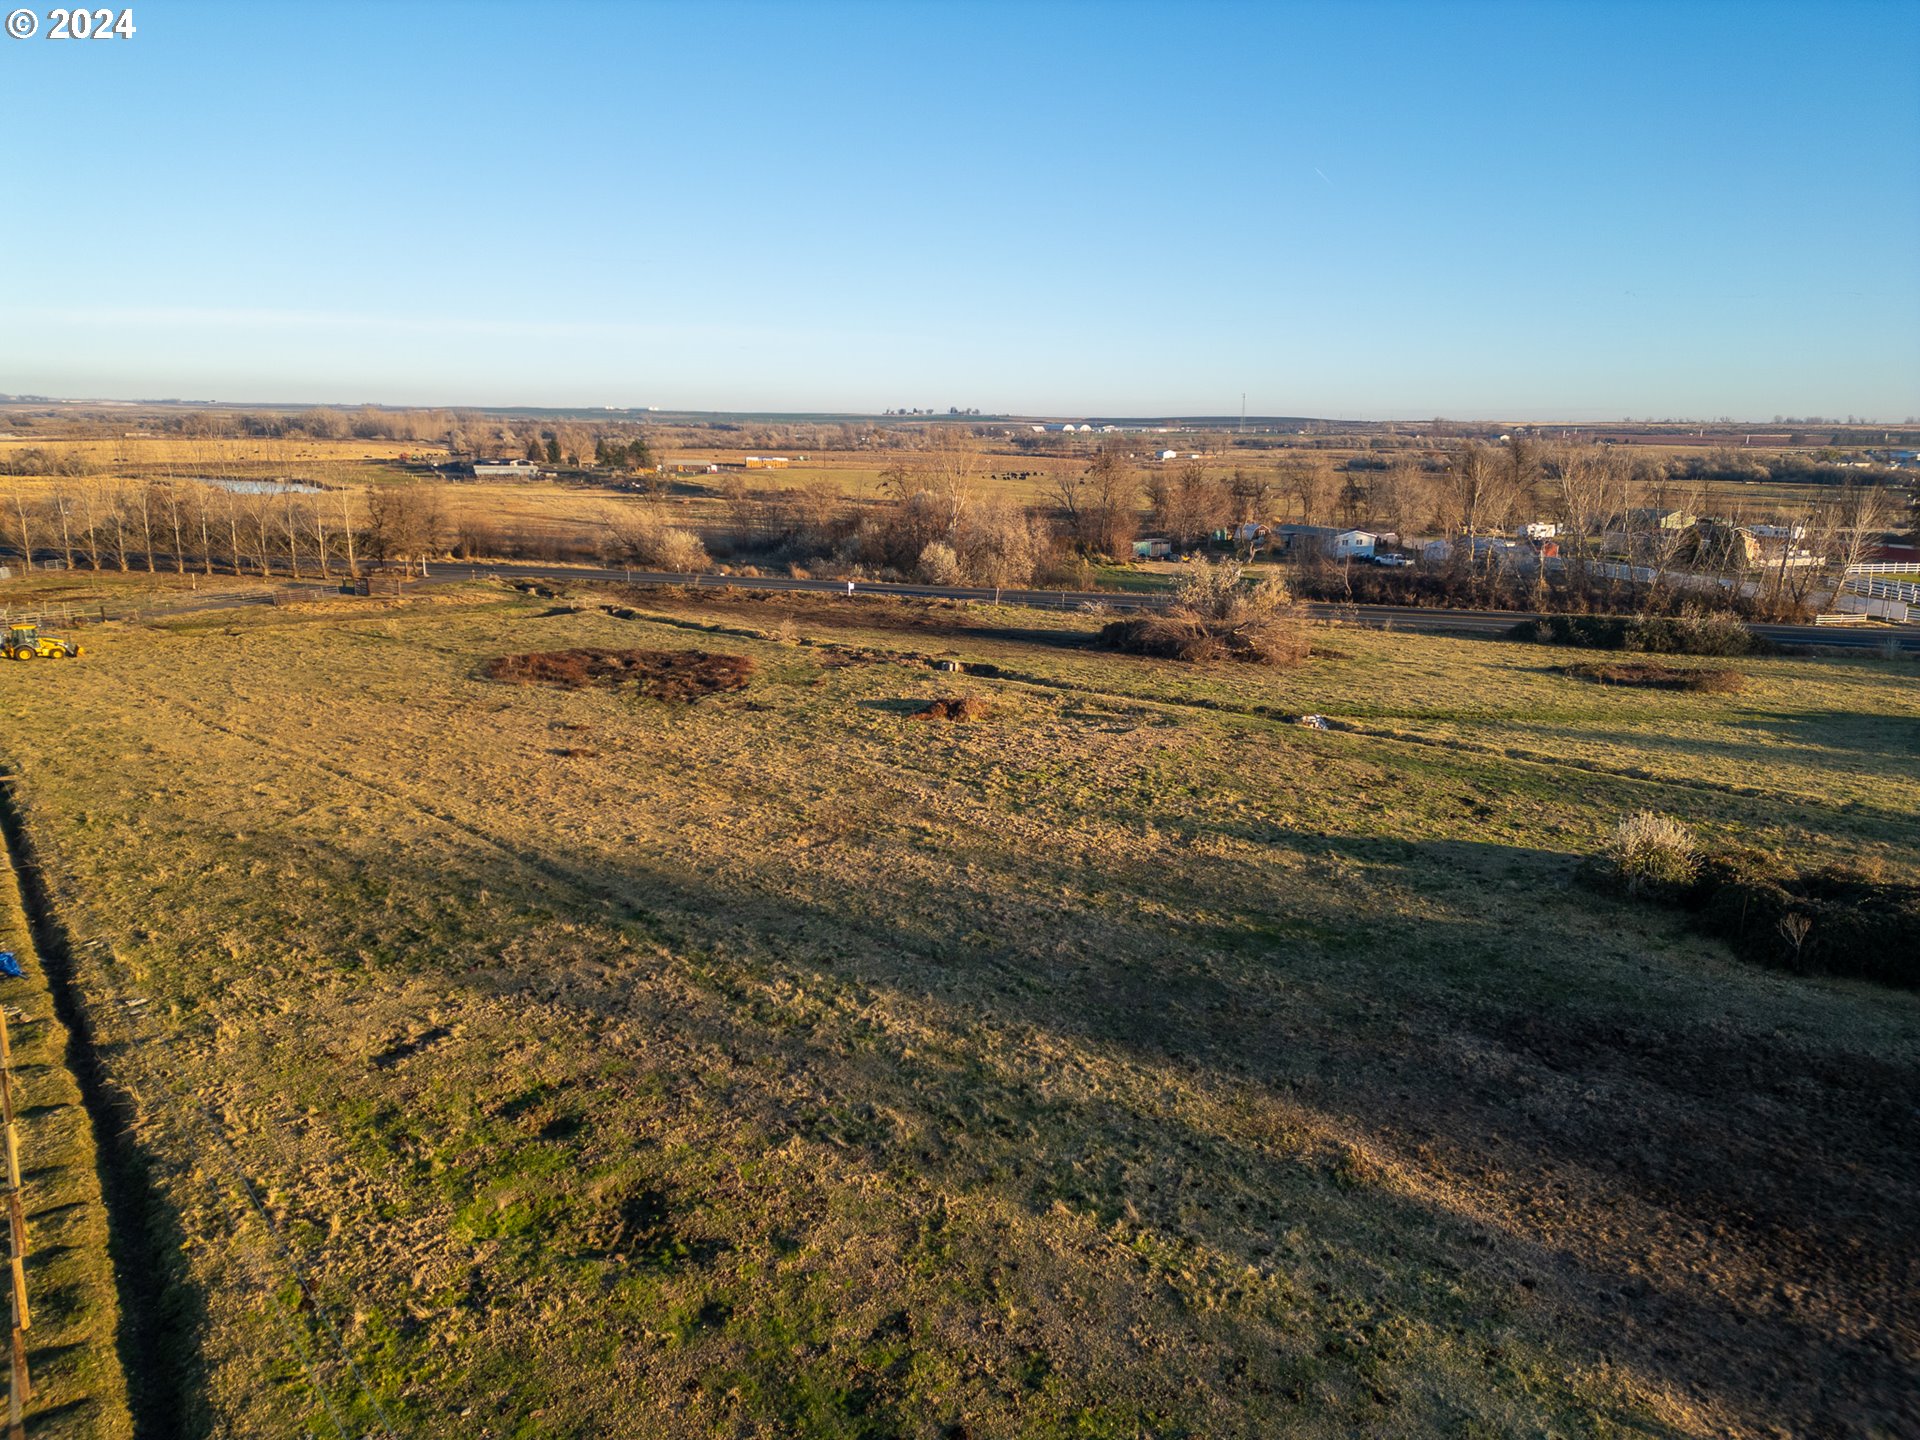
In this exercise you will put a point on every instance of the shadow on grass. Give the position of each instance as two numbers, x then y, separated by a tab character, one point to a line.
1726	1210
162	1316
1884	737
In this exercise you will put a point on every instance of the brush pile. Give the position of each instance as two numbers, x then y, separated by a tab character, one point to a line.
1216	615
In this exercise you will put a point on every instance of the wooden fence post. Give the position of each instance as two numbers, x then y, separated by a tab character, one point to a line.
20	1384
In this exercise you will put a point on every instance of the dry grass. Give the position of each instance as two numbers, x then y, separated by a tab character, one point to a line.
1652	852
1140	1065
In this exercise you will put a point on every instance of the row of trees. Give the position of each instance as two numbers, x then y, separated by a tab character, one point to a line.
183	527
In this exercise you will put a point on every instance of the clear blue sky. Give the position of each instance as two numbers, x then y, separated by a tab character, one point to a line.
1345	210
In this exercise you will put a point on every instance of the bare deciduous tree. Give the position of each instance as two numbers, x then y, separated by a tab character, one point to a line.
406	523
1588	487
1308	481
1100	503
1187	503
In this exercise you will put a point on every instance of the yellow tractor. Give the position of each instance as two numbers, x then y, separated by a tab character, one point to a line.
25	642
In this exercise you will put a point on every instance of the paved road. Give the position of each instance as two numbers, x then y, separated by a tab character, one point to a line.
1378	617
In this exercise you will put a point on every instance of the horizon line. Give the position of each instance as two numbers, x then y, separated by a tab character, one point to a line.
1009	417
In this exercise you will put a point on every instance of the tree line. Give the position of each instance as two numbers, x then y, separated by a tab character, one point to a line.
184	527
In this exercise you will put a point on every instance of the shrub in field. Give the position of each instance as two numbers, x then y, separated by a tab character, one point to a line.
1651	854
1215	615
1689	633
963	707
645	541
1831	921
1694	632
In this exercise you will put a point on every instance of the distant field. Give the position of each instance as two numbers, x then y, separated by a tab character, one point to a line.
140	455
1125	1063
557	517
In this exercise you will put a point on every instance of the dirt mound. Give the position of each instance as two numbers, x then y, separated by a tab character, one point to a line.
1835	920
964	707
1832	921
657	674
1651	675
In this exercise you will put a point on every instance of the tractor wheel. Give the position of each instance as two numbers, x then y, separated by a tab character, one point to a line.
23	653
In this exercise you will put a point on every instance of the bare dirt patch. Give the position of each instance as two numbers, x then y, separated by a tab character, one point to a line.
657	674
1651	675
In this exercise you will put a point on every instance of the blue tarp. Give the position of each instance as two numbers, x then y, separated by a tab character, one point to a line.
10	966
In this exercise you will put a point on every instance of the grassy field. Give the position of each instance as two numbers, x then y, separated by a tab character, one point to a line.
523	1062
72	1345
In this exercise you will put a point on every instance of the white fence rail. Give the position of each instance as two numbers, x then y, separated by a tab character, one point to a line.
1878	609
1886	589
1878	567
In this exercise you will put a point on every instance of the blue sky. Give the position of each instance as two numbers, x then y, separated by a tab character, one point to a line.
1514	211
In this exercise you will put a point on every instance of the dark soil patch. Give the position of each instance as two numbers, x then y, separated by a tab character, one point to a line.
963	707
657	674
1650	675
